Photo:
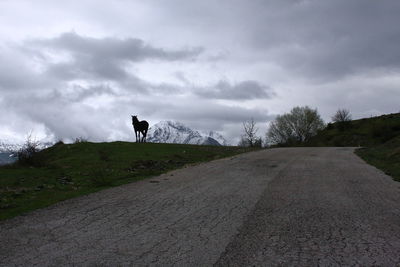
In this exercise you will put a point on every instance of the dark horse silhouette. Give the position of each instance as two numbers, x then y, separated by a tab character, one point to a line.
140	127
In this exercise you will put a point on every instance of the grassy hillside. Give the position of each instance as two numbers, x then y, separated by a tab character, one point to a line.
65	171
364	132
385	157
379	135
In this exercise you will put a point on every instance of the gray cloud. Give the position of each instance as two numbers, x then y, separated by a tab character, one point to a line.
240	91
105	58
68	116
322	40
18	74
327	39
88	68
128	49
78	93
28	67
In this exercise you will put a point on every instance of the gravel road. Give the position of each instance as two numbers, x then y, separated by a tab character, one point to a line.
291	206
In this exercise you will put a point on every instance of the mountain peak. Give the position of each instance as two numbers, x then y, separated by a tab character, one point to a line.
178	133
217	136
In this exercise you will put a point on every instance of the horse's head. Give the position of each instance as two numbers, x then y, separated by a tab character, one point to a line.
134	118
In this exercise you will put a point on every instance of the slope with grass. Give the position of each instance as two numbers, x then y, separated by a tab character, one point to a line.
385	157
69	170
380	137
364	132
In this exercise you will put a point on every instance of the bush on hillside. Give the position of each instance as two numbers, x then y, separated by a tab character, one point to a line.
341	115
295	127
27	155
80	140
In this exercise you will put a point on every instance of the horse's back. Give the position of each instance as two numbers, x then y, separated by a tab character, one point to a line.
144	125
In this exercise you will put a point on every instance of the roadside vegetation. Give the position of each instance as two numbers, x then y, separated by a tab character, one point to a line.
63	171
385	157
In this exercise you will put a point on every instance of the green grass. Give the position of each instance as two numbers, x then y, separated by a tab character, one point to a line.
385	157
364	132
65	171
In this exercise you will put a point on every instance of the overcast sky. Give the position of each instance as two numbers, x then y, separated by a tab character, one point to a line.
80	68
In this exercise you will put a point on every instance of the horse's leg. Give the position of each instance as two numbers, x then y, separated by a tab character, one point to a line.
139	136
145	136
136	136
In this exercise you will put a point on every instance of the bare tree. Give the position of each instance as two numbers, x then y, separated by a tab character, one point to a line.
341	115
27	153
297	126
250	137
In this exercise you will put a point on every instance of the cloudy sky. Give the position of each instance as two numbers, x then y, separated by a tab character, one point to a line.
80	68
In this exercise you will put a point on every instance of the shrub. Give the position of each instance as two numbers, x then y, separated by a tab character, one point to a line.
80	140
27	155
341	115
295	127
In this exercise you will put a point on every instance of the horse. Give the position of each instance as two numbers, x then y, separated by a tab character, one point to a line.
140	127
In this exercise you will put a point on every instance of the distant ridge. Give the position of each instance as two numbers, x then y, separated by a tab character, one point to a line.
178	133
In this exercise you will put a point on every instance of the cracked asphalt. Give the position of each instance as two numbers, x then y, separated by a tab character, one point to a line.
287	206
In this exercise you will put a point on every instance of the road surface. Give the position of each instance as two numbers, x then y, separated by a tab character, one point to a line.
290	206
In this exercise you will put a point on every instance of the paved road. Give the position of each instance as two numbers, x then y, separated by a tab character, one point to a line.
294	206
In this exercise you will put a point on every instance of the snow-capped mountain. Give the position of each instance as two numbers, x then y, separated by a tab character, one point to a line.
11	147
218	137
178	133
